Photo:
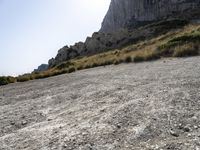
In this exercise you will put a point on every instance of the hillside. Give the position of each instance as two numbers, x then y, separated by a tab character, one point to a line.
166	28
144	106
123	24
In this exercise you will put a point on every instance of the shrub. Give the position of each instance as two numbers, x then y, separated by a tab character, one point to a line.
64	65
189	49
87	66
94	65
116	62
80	67
152	56
138	58
128	59
23	78
171	47
3	81
71	69
63	71
192	37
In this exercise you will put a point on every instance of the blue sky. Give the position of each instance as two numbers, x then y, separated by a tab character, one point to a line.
32	31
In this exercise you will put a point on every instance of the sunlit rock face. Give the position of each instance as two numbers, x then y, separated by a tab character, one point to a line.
120	25
123	13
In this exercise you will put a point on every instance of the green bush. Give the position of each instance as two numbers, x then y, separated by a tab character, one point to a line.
6	80
3	81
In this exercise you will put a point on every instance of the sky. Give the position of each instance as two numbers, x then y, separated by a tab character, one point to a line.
32	31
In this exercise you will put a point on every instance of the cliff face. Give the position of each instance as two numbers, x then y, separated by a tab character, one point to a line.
123	13
119	27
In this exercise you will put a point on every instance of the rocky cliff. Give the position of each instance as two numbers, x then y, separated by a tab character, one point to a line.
122	25
125	13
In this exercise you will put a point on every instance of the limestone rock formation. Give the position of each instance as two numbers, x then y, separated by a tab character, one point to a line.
99	42
123	13
122	25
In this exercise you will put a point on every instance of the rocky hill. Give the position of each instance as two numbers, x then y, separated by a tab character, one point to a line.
124	24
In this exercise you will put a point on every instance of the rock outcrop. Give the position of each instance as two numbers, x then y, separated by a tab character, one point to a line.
125	13
122	25
99	42
42	67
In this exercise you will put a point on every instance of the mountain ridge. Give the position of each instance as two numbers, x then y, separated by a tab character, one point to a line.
125	30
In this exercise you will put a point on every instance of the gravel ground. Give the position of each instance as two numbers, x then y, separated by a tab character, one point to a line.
145	106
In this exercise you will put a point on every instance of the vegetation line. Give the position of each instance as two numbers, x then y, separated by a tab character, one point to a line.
176	44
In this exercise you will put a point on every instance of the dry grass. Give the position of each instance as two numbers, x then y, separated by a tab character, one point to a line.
179	43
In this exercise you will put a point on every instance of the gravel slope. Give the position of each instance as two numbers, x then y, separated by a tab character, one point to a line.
144	106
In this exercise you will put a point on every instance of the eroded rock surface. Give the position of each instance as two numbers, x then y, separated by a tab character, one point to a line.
123	13
145	106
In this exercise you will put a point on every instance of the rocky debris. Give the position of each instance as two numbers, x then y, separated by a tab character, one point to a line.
143	106
125	13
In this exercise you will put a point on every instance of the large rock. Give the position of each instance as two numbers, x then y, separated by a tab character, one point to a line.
122	13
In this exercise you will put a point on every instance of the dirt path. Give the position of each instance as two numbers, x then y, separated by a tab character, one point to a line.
145	106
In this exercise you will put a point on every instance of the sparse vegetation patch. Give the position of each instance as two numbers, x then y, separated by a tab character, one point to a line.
181	43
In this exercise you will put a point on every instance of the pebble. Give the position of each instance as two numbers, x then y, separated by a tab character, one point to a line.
24	122
12	123
173	133
186	129
49	119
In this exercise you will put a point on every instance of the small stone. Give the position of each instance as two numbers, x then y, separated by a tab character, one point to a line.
102	110
49	119
186	129
118	126
180	126
194	118
173	133
24	122
196	127
12	123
